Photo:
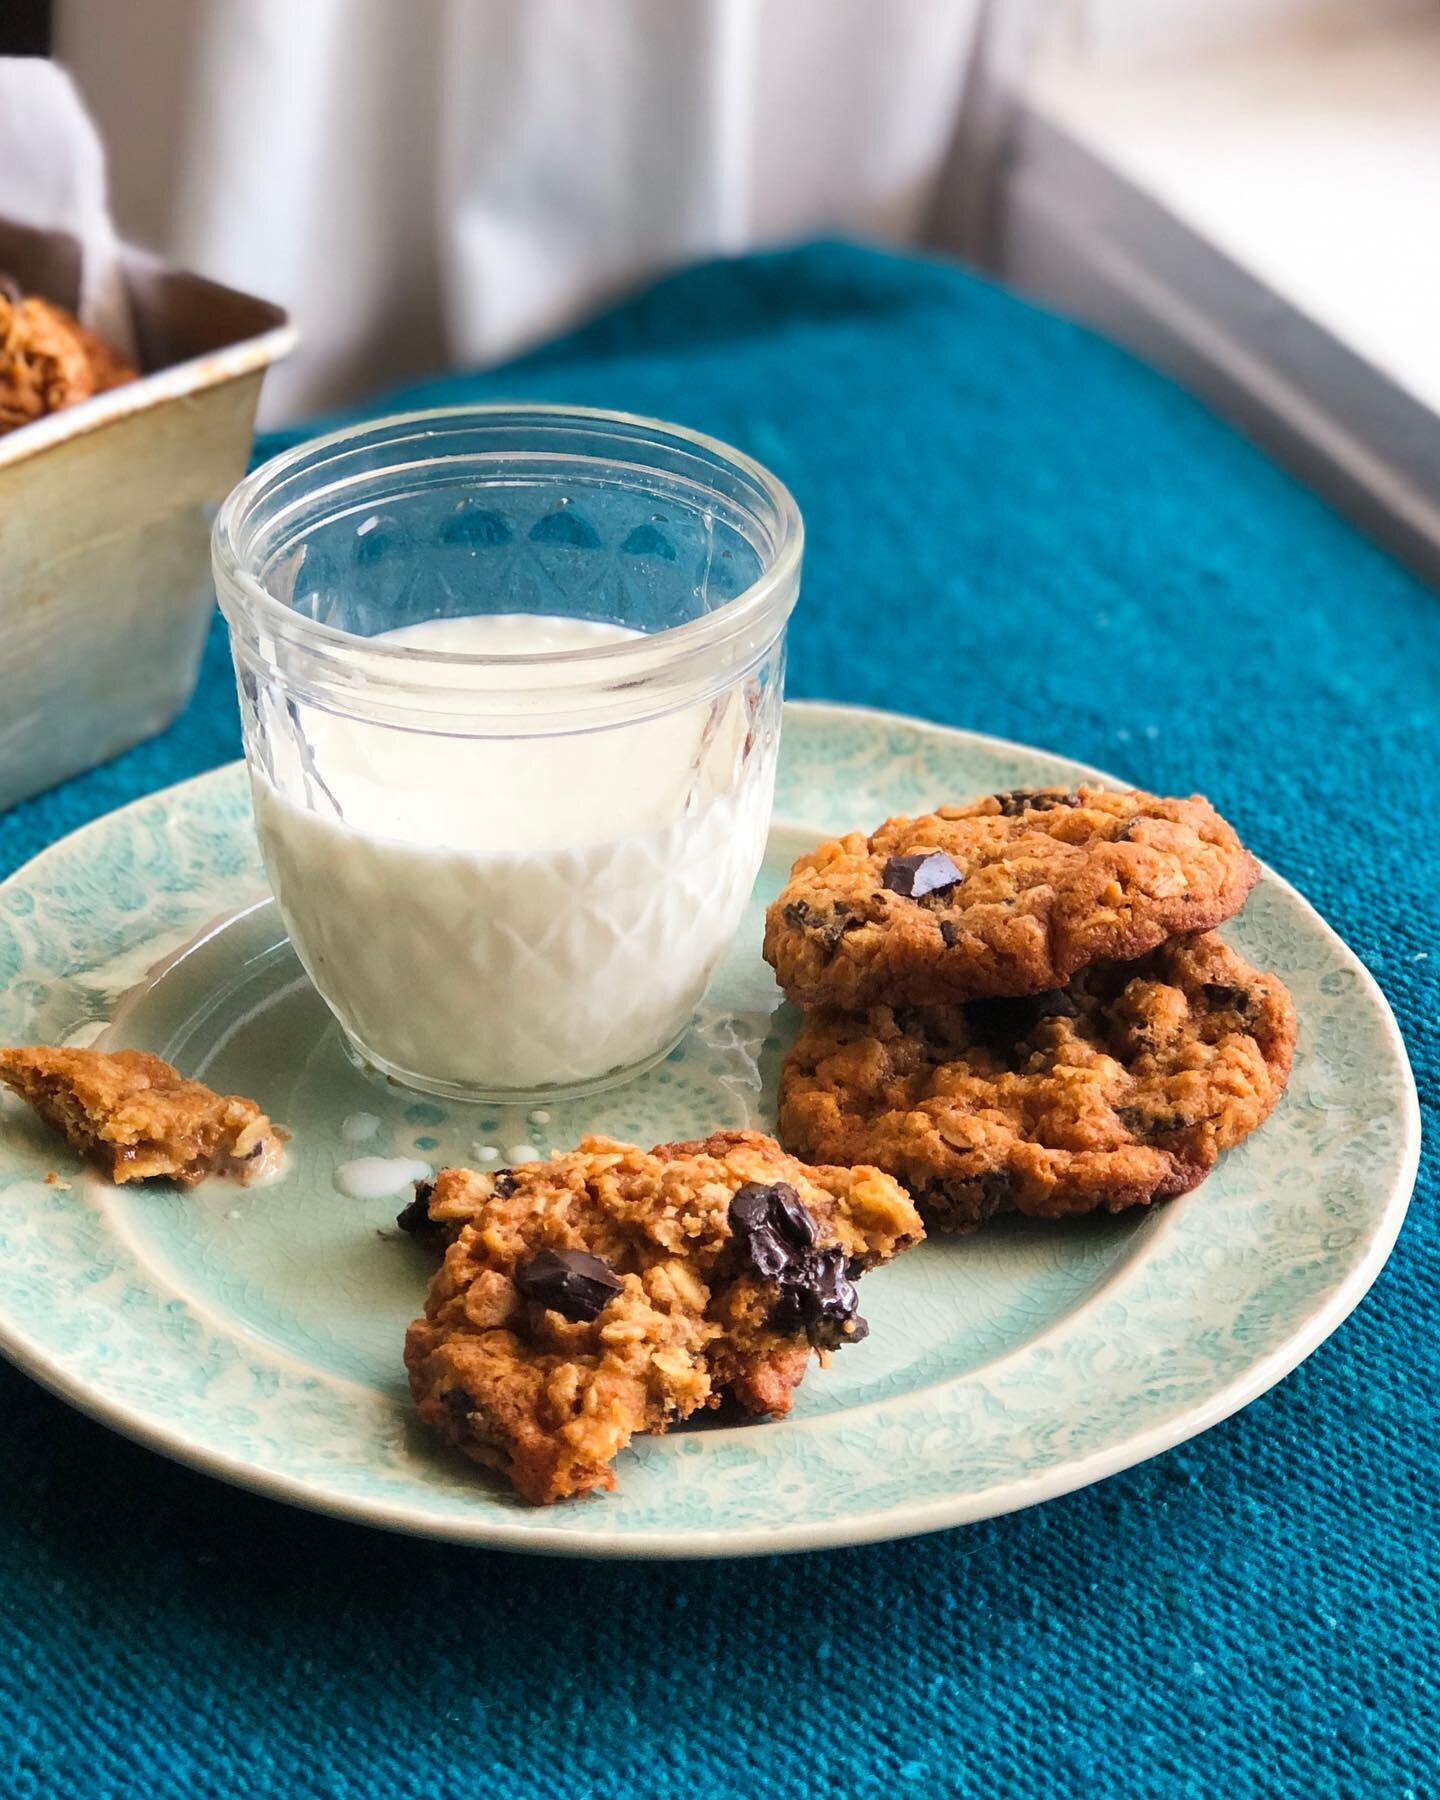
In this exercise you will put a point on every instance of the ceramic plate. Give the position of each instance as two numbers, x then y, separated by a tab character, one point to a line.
256	1334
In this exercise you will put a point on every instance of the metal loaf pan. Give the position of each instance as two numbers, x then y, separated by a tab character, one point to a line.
105	511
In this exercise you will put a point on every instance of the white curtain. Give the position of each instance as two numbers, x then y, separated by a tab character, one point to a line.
431	182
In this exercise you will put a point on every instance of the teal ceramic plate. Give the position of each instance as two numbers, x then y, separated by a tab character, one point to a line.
256	1334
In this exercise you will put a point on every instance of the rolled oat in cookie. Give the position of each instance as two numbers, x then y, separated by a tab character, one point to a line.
613	1291
1010	894
1119	1089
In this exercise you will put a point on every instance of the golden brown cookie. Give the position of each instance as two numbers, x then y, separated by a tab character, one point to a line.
48	360
612	1291
1006	895
1119	1089
136	1118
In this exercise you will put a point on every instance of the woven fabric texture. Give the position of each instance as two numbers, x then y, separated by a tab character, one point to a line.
1012	526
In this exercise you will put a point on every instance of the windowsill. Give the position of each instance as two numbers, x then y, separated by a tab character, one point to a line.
1312	163
1261	226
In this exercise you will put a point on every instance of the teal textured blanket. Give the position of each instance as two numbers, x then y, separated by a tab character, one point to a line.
1013	527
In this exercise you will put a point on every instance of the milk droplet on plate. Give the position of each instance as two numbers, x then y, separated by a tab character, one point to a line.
522	1153
375	1177
359	1126
485	1153
539	1116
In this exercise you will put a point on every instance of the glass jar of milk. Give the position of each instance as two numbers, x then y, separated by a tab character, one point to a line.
511	682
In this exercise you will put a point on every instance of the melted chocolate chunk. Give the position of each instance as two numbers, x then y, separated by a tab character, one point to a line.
414	1217
505	1183
1020	800
777	1233
772	1224
818	1295
1230	999
949	933
571	1282
1001	1024
913	877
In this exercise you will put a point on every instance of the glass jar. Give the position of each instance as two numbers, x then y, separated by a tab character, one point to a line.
511	683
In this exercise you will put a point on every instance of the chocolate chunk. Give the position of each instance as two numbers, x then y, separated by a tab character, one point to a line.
777	1235
415	1216
1001	1024
796	1221
818	1296
913	877
571	1282
796	913
458	1402
949	933
505	1183
772	1224
1020	800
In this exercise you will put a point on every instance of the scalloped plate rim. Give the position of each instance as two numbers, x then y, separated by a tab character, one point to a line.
891	1523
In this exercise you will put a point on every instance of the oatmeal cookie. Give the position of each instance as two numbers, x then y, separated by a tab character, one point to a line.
136	1118
612	1291
48	360
1006	895
1119	1089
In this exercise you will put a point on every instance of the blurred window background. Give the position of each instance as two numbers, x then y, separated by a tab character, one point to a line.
1243	190
448	181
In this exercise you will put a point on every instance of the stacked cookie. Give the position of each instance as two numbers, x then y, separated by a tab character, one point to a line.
1021	1005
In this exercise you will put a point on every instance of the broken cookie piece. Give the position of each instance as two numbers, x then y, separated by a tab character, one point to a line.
137	1119
613	1291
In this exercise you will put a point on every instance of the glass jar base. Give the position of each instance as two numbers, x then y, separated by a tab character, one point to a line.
479	1093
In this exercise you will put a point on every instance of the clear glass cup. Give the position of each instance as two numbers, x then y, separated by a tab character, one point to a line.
511	684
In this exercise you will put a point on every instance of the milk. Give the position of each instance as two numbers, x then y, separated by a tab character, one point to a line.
510	913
